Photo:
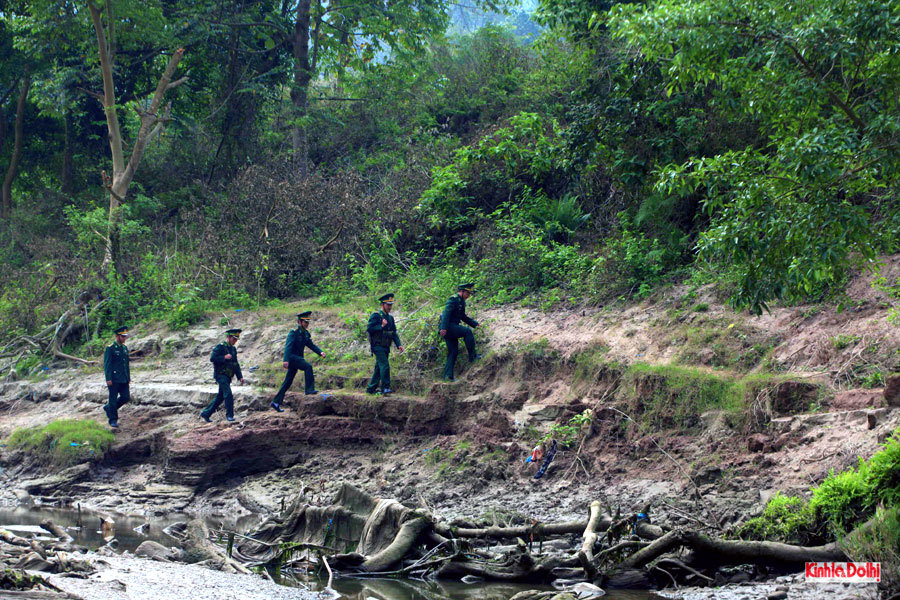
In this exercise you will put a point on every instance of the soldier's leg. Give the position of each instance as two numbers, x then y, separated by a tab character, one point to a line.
469	338
228	399
110	407
309	379
285	386
452	350
383	364
124	395
214	404
376	376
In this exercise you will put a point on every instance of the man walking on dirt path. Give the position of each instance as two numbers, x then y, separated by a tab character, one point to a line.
297	341
225	366
118	376
382	333
451	330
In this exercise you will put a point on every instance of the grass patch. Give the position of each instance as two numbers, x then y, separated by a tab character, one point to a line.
64	443
722	344
673	397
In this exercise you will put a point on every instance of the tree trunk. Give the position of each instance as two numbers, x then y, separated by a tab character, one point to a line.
124	173
6	195
300	91
65	173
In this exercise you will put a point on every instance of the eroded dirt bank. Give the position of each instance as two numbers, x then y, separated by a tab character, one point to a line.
810	377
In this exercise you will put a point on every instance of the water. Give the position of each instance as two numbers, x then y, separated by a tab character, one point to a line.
26	521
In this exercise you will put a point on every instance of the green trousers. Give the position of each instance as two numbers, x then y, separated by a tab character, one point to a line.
382	371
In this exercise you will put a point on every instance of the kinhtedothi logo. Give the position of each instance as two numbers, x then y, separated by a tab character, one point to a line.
844	572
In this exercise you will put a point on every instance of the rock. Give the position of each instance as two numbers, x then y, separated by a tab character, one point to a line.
892	390
64	478
33	562
780	595
758	442
871	420
153	550
586	590
142	529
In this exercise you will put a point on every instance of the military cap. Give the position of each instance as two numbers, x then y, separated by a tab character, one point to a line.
304	315
387	299
122	331
234	332
466	287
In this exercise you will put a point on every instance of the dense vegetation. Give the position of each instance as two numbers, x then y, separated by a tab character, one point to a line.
318	149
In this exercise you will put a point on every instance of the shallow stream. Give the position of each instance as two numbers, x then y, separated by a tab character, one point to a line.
85	528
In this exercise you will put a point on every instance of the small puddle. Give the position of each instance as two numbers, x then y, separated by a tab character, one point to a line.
25	521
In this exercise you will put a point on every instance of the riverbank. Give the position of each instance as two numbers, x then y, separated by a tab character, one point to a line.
127	578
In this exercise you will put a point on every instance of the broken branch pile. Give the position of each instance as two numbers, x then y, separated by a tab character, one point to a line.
361	536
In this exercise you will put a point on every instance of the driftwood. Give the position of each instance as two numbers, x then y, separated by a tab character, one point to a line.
362	536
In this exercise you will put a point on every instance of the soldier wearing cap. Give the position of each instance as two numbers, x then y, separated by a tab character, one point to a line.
297	341
118	376
382	333
451	330
225	366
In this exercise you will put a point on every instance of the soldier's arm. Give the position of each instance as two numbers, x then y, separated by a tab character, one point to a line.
448	312
237	367
107	363
312	346
397	339
469	321
288	345
374	325
127	365
218	355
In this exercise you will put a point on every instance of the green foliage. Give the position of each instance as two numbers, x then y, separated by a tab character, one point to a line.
843	340
841	503
566	434
783	518
879	541
64	443
788	211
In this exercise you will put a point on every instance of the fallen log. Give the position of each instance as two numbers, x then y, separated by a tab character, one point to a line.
403	541
589	538
737	551
542	530
660	546
56	530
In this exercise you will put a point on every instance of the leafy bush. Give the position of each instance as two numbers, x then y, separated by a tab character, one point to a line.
879	541
841	503
64	443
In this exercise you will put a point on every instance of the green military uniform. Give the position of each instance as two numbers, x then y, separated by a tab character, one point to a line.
380	339
297	341
118	376
223	370
454	313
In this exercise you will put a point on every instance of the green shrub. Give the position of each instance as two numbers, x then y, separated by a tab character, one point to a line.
878	541
785	518
846	499
64	443
842	502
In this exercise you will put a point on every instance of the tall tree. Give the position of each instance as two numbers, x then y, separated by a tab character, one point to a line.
151	119
18	134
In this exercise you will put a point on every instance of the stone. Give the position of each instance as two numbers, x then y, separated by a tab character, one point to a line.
153	550
871	420
892	389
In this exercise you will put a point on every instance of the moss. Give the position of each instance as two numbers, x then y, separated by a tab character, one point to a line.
784	518
720	343
65	442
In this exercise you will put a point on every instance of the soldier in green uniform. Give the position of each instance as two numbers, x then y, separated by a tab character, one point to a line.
118	376
451	330
297	341
382	333
225	366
